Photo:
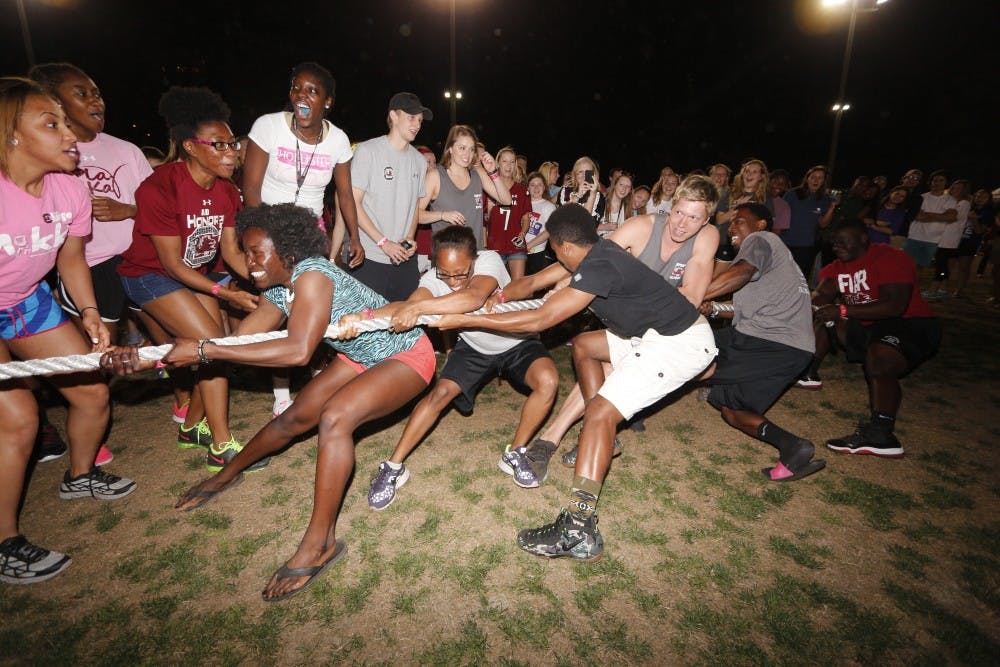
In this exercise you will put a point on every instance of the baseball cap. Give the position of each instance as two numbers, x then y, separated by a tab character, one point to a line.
410	103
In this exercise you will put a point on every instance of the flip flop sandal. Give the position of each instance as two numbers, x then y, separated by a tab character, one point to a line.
780	473
313	572
205	497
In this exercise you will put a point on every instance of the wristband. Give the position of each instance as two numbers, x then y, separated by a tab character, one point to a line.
216	288
369	313
843	310
382	241
88	307
500	297
494	175
201	351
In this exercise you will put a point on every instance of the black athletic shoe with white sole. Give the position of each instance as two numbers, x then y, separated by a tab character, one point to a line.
868	439
21	562
95	484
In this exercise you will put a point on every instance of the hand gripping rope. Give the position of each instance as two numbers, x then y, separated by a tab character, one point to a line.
88	362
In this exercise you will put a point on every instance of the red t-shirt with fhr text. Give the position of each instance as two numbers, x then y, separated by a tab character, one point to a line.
859	280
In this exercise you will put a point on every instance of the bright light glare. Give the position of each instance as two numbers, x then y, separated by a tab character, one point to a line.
836	107
845	107
447	94
834	3
458	95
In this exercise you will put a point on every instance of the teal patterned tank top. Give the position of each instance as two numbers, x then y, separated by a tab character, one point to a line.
349	296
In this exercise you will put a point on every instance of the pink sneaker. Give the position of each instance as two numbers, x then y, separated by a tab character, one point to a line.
104	455
180	412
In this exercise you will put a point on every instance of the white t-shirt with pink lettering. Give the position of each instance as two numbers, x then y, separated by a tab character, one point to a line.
32	229
111	168
288	158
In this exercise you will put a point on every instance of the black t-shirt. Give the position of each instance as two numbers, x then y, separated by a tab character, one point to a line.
629	296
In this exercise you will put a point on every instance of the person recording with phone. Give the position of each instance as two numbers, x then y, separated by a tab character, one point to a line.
582	189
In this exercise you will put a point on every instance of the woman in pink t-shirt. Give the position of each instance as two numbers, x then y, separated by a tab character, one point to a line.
44	218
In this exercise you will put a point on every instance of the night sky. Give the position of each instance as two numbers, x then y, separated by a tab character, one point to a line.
633	84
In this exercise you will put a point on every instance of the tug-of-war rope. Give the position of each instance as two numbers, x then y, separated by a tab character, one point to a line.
78	363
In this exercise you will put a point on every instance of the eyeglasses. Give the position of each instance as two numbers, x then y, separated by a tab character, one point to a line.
453	276
221	146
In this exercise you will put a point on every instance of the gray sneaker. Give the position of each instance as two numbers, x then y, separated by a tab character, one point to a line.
21	562
569	458
384	485
539	454
567	536
95	484
515	463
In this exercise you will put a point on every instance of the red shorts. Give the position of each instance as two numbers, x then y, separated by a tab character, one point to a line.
420	358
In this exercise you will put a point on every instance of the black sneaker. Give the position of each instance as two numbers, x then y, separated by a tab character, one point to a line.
868	439
95	484
21	562
538	456
569	458
49	445
567	536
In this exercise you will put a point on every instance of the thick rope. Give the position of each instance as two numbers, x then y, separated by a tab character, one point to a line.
77	363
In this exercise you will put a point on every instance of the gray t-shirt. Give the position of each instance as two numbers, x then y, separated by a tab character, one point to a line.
468	201
775	305
393	181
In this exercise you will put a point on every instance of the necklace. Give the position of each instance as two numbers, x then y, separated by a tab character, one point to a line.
300	172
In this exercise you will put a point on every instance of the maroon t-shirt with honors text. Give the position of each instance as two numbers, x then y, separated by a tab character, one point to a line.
171	203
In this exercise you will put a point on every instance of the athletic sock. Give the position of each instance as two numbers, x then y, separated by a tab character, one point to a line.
786	443
281	384
583	498
883	421
394	466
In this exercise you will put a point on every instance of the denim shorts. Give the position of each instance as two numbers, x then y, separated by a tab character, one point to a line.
36	314
520	255
149	287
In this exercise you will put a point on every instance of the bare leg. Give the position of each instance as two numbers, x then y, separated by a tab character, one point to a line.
570	413
543	380
375	393
184	313
302	416
601	419
423	417
516	268
89	410
19	415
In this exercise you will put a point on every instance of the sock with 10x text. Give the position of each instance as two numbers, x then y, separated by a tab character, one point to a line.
583	498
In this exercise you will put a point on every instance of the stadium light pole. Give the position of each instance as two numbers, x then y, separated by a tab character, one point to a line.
26	33
840	105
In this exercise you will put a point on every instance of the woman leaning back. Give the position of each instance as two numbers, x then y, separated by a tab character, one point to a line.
372	376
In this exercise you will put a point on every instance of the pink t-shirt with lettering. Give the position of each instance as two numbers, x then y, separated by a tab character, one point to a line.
32	229
111	168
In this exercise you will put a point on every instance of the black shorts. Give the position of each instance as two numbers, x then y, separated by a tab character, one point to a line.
470	369
916	338
752	373
394	282
107	290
